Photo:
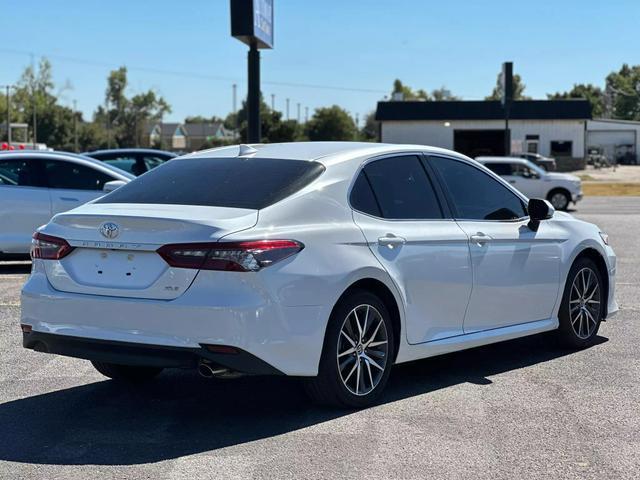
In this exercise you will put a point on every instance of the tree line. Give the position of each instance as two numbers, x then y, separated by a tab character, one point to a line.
123	120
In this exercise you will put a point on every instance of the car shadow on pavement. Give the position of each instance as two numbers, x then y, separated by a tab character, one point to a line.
182	414
7	268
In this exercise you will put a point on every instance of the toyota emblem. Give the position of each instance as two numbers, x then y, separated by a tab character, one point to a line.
109	230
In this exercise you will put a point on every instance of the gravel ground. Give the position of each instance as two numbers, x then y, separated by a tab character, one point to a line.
520	409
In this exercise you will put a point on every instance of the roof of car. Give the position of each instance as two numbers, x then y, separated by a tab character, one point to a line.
315	150
502	159
130	150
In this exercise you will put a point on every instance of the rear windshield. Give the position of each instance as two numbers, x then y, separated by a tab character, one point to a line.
253	183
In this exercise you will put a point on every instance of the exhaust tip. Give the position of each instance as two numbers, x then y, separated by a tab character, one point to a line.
205	370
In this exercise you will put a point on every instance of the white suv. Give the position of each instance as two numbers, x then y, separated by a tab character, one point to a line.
559	188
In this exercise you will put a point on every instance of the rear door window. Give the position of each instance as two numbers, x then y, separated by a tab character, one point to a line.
252	183
74	176
20	172
499	168
402	188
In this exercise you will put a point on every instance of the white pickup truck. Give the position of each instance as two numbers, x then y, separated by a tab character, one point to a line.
559	188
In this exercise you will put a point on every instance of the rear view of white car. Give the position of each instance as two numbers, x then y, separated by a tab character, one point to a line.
329	261
561	189
34	186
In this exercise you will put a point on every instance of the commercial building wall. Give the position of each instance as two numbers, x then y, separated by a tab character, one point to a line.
441	133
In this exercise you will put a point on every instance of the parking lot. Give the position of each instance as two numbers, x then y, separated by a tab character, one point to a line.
521	409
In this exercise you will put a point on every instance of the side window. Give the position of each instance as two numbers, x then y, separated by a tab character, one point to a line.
521	170
71	175
499	168
476	195
362	198
19	173
402	188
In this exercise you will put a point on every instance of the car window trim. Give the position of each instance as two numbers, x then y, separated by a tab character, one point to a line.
491	175
446	213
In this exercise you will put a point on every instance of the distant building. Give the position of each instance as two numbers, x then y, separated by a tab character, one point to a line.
562	129
186	137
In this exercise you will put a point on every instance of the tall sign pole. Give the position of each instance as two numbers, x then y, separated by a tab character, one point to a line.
507	100
252	24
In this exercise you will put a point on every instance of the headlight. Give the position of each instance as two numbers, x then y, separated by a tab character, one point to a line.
604	237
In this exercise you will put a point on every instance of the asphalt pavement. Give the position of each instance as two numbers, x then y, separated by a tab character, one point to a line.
520	409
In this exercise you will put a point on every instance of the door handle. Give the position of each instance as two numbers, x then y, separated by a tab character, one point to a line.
480	238
69	199
512	182
391	241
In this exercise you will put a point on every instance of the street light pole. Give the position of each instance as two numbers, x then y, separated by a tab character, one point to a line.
253	96
9	87
75	126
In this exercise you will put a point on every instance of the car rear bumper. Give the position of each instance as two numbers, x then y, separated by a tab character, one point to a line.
126	353
287	338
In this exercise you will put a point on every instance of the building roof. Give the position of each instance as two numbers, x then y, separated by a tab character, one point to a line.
484	110
202	129
168	129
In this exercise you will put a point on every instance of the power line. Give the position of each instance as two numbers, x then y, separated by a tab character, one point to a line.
189	74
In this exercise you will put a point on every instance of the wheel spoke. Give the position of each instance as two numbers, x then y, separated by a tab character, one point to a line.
358	377
346	362
373	362
347	352
366	319
351	342
369	370
375	333
352	370
355	315
376	344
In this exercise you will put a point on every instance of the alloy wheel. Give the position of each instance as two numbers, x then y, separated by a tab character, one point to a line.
362	350
584	303
559	201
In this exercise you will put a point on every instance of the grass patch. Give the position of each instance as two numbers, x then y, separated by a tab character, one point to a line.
602	189
586	178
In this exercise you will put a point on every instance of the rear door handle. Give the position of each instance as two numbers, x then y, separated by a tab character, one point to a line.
480	238
512	182
69	199
391	241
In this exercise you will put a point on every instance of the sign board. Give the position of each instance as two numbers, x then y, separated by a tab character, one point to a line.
516	147
252	22
506	82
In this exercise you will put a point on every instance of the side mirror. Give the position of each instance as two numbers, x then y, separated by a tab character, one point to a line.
539	210
112	185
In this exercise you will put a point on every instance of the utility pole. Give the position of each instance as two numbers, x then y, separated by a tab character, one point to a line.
235	98
253	96
273	102
298	117
306	114
507	99
75	126
35	103
8	89
287	109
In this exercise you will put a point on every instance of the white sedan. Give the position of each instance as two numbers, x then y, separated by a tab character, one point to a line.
561	189
34	186
329	261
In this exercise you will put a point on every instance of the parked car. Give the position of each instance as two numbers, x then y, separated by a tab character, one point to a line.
327	260
133	160
549	164
35	185
561	189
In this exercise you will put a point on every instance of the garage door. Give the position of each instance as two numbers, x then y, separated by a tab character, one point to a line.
614	143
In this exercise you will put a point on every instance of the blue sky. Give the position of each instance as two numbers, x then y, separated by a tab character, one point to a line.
184	49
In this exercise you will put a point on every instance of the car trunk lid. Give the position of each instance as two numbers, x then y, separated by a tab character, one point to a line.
115	246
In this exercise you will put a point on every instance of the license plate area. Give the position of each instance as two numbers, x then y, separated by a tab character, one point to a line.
127	269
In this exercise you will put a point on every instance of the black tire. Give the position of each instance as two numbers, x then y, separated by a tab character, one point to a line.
328	387
572	331
558	193
126	373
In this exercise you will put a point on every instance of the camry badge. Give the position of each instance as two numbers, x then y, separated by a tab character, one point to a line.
109	230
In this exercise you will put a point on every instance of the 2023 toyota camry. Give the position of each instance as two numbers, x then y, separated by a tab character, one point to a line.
330	261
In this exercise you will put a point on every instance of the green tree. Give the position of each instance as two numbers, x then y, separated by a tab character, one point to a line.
590	92
443	94
201	119
124	119
331	123
407	92
622	93
518	89
370	130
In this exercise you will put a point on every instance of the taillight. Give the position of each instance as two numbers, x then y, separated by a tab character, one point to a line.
248	256
48	247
